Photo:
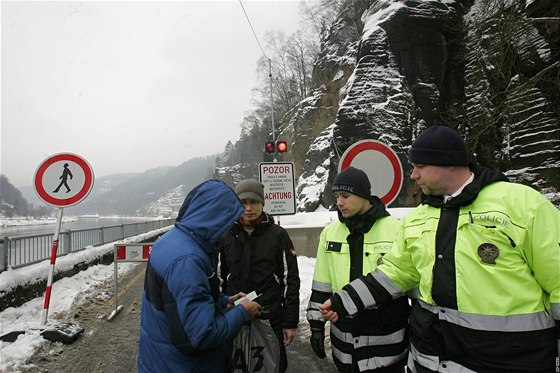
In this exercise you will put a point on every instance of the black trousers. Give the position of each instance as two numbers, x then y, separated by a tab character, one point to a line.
276	324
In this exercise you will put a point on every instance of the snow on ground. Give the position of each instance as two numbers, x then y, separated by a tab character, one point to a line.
18	221
29	316
25	220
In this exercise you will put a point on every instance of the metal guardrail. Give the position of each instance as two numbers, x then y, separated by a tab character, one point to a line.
19	251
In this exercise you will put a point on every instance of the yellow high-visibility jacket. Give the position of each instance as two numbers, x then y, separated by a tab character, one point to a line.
487	265
375	338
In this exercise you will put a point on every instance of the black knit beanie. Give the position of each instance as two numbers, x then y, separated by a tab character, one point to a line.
439	145
352	180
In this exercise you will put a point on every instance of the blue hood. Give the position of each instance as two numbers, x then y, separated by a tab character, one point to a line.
209	210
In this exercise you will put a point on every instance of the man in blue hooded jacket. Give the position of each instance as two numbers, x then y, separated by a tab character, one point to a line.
187	324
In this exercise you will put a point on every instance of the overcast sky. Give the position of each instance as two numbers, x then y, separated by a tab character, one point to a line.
128	85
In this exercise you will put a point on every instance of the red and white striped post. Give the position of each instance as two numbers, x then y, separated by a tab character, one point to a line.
51	270
46	178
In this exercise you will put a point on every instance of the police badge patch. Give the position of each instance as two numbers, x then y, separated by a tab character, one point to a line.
488	252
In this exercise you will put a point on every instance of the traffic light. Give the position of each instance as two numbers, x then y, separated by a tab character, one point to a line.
269	147
281	146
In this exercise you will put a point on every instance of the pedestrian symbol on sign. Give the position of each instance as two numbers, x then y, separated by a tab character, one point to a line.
64	177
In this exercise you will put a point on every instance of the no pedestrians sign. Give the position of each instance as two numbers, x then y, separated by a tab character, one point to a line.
63	180
380	163
279	187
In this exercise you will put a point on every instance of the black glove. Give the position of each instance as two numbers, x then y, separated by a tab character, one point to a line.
318	342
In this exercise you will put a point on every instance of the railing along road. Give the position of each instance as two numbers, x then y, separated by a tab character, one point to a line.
19	251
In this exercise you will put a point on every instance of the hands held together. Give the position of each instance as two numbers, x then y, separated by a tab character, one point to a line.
253	309
327	311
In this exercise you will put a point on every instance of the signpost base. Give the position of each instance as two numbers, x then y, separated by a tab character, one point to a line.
65	333
115	312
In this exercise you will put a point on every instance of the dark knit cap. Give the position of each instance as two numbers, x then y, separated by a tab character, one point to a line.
250	189
352	180
439	145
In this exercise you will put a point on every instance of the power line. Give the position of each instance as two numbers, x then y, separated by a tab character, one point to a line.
269	75
250	25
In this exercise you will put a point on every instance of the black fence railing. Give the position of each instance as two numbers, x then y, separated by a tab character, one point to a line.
19	251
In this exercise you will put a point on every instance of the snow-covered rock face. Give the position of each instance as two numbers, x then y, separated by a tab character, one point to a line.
511	89
428	62
395	87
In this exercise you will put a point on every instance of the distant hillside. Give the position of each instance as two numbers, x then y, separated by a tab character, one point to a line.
13	202
101	185
136	194
158	191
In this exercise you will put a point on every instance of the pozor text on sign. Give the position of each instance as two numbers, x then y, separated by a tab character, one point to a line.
276	169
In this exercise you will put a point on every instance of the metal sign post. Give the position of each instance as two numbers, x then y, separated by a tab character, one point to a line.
51	269
136	252
62	180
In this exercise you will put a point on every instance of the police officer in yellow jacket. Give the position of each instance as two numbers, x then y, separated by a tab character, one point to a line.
485	256
376	339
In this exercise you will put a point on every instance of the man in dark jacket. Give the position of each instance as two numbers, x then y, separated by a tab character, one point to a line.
186	324
258	255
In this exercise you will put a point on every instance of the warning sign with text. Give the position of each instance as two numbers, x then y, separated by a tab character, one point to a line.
279	187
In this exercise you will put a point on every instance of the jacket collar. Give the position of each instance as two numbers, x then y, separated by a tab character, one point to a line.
482	177
363	223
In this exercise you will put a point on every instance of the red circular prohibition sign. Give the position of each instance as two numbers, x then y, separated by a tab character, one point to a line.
384	149
63	202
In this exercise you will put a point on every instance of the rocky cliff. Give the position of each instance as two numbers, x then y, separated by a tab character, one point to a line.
489	68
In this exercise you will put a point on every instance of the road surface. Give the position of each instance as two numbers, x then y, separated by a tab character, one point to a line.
112	346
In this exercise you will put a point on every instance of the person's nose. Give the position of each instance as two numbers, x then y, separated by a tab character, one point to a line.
414	174
339	202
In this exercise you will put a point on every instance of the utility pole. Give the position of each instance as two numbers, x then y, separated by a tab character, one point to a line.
272	106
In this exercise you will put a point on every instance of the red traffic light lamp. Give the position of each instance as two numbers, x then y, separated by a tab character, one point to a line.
282	146
269	147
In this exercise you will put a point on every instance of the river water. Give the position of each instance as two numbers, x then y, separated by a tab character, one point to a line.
80	223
